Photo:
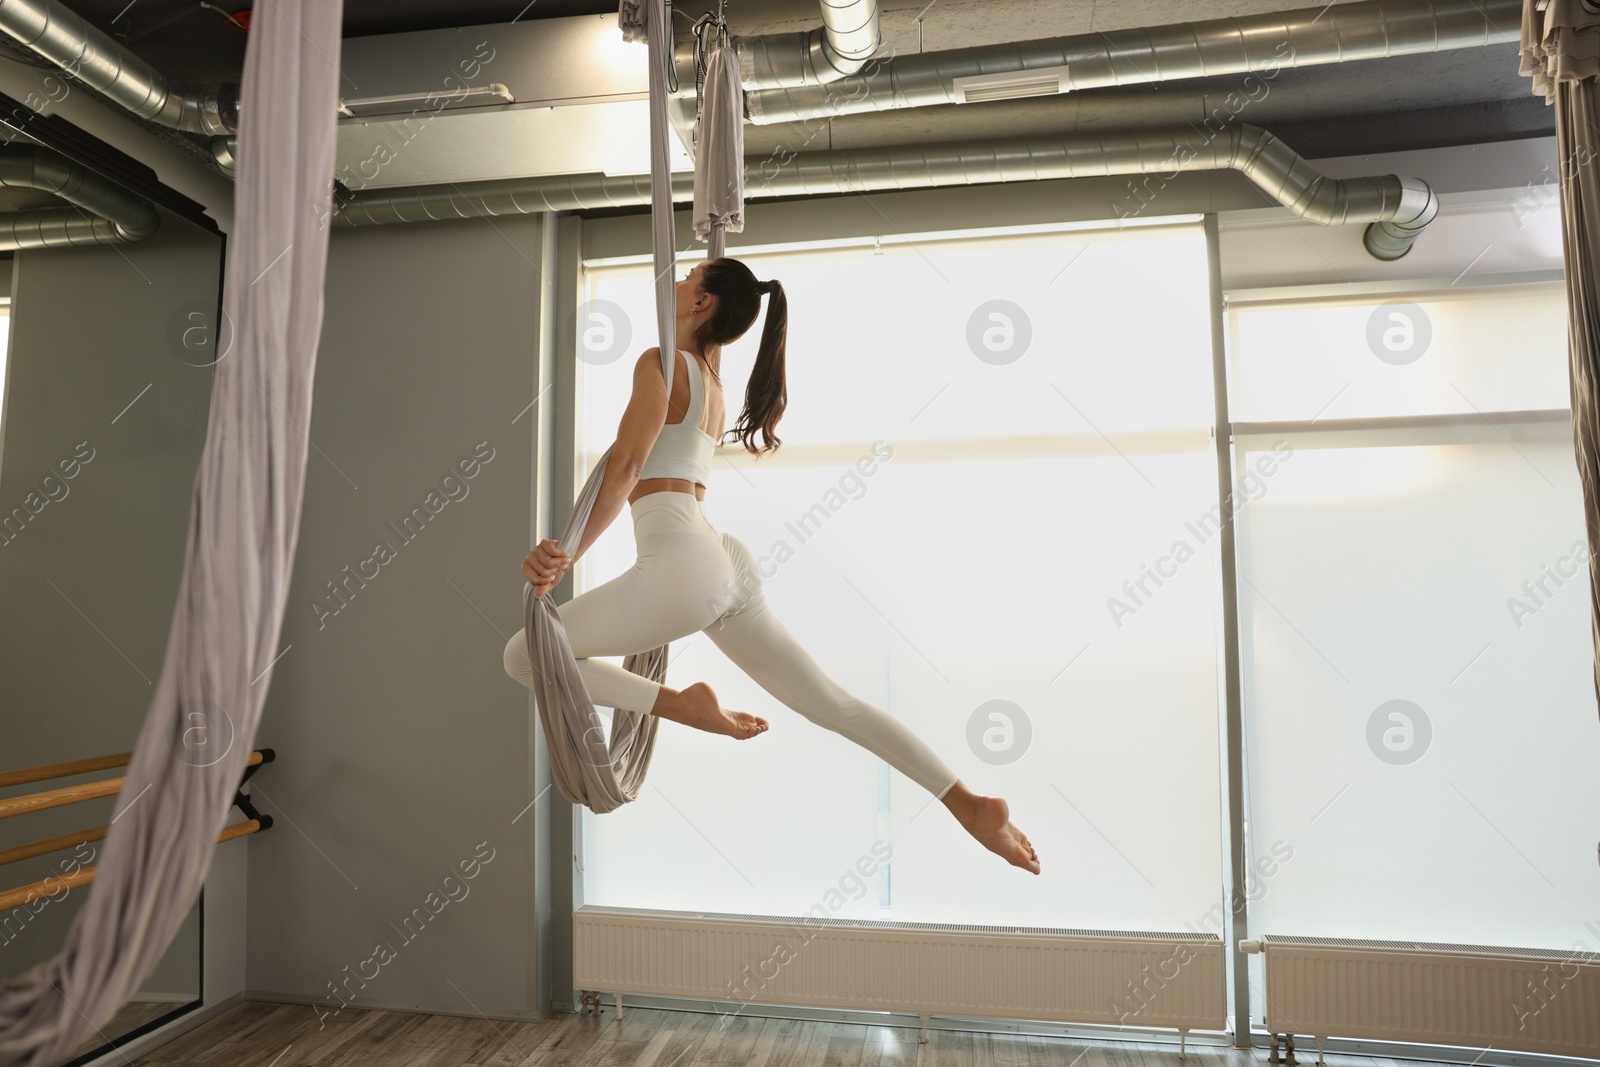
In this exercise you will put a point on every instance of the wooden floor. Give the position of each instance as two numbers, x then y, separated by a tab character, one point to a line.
255	1034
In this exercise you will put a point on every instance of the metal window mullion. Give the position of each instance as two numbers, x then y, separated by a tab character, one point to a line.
1561	417
1233	728
566	829
1420	285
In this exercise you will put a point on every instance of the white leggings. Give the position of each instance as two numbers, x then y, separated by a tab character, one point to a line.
688	577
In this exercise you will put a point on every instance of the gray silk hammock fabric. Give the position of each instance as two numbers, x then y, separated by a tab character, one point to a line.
588	769
1561	53
243	528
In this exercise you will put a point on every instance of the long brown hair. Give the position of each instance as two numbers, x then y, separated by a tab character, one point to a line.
738	294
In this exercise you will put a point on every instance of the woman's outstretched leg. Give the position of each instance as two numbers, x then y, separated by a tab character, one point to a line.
758	643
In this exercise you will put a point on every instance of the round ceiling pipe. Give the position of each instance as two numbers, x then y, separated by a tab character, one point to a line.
1396	208
1309	36
57	33
104	212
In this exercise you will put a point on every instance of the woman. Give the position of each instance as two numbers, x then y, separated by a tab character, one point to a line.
689	578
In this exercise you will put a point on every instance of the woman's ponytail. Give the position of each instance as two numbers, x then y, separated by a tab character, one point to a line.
738	293
767	393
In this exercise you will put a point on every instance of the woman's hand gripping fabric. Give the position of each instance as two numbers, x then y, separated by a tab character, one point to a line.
545	565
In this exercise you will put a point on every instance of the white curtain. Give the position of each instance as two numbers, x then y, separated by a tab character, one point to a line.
1561	52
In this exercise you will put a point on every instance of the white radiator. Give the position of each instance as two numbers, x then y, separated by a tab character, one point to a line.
1070	976
1524	1000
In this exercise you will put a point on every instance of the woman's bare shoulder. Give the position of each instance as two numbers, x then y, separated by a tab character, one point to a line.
648	366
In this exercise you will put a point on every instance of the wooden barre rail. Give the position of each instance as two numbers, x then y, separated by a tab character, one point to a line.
72	794
28	775
57	883
52	844
255	821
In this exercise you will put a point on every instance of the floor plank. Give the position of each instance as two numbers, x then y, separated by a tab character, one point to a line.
846	1047
563	1043
436	1057
730	1041
1001	1050
621	1042
892	1046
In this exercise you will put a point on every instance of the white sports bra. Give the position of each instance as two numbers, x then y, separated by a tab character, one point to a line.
683	449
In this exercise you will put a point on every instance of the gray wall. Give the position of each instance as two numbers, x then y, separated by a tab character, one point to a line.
402	745
88	582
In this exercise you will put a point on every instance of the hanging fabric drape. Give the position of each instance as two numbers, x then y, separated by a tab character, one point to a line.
1561	52
243	528
719	150
588	768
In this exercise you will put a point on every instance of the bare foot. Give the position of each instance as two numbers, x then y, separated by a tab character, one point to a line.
988	819
697	706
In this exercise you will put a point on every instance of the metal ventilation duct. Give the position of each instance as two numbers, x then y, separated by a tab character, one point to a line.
105	213
1326	33
1396	208
841	46
58	34
572	98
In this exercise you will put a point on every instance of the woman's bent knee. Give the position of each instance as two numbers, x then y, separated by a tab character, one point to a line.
515	659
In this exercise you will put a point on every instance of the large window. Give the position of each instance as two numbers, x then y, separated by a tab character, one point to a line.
1036	411
1413	598
1030	579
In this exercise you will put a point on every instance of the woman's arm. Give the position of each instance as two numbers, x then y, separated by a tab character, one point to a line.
641	424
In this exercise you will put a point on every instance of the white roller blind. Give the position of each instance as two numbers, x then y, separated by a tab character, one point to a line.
1420	715
1047	402
1458	351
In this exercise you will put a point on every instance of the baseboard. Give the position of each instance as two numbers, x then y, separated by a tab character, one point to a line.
161	998
371	1004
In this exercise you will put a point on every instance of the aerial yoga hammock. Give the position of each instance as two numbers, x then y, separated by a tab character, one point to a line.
243	528
587	769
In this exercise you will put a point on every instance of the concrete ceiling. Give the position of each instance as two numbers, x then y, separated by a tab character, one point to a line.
197	44
1456	97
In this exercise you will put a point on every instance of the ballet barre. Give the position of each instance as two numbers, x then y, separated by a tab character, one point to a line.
254	821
